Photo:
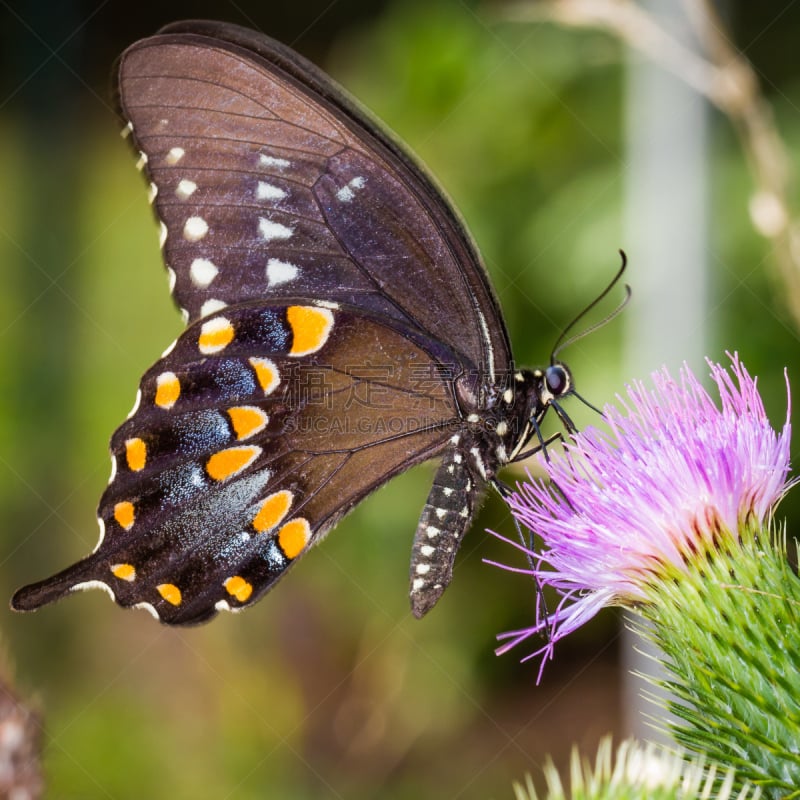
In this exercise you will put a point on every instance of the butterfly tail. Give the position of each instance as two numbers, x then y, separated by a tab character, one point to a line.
78	576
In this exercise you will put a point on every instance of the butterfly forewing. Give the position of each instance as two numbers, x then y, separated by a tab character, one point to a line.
270	184
252	437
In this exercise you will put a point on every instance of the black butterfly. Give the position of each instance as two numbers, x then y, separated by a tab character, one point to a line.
341	328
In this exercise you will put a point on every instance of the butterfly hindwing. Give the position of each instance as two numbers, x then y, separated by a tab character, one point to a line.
252	436
270	183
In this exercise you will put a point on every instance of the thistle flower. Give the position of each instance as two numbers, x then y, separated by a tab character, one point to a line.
675	477
670	513
636	772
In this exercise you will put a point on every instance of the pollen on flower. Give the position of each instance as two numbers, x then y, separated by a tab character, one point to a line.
674	477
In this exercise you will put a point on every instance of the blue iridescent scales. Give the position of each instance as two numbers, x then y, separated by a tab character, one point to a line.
341	328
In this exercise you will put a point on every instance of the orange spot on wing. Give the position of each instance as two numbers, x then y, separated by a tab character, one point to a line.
227	463
247	420
294	536
135	454
239	588
266	374
125	572
311	327
215	335
273	510
124	514
170	592
168	389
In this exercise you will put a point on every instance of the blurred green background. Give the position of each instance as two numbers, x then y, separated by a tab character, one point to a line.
327	688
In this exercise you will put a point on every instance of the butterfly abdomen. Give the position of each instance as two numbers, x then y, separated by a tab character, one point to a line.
453	500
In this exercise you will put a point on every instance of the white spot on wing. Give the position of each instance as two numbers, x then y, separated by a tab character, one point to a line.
212	305
195	229
202	272
417	584
280	272
148	607
162	235
102	526
152	193
126	131
270	230
142	162
432	532
171	279
169	349
82	587
113	469
266	191
423	569
271	161
427	550
326	304
347	193
175	155
223	605
136	403
186	189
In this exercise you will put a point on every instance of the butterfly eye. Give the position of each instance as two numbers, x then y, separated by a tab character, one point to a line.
556	379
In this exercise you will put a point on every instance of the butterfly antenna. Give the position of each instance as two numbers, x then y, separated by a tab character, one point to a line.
561	343
586	402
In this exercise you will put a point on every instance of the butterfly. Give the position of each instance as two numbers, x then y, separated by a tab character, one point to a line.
341	328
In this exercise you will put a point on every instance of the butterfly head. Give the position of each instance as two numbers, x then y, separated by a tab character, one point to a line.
533	392
547	388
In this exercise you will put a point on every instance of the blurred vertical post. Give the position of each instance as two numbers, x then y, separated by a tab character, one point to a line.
666	233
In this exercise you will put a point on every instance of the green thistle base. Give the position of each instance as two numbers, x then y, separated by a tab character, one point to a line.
730	629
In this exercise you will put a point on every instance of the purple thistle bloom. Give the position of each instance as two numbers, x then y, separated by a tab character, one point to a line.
674	477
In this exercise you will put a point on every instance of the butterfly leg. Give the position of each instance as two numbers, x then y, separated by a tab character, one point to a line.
504	490
542	446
